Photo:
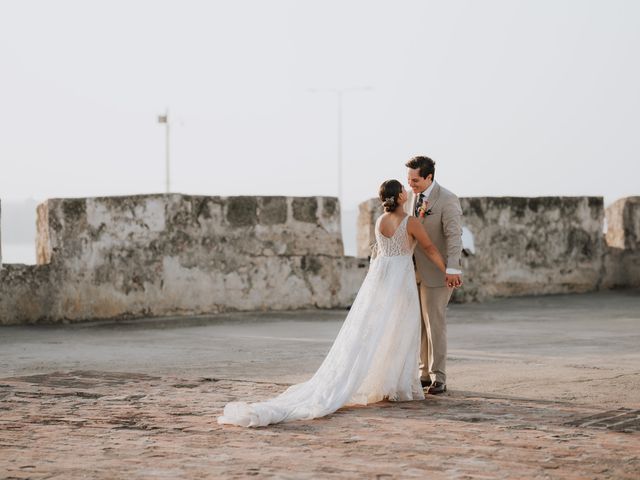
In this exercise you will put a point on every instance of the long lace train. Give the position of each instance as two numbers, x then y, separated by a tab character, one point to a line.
374	356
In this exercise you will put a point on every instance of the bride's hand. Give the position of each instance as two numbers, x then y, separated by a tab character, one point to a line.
454	281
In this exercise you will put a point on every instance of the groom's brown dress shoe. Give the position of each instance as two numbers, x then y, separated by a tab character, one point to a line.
437	388
425	383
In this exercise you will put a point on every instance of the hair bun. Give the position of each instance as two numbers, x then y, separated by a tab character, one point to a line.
389	204
388	193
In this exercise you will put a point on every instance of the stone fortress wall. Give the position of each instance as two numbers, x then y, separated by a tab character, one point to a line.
159	255
541	245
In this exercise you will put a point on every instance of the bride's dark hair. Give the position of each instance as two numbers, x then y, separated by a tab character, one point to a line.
389	193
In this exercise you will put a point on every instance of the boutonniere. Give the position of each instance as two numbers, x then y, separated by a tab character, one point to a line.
424	209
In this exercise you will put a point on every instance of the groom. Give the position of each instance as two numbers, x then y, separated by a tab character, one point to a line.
441	215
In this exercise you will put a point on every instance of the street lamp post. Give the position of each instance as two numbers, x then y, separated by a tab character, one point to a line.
165	119
339	93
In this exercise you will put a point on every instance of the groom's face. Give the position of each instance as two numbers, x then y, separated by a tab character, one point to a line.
416	182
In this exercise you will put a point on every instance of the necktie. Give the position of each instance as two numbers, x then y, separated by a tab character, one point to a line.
418	203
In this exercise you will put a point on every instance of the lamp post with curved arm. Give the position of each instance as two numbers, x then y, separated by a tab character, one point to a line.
339	93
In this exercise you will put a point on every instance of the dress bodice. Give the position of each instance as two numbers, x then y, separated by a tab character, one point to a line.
398	244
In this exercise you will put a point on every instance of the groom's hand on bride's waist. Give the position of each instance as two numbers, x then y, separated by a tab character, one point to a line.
452	280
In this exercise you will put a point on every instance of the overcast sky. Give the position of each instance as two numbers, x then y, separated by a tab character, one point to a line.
509	97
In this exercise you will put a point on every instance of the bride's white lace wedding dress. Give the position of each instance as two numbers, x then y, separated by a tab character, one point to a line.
375	355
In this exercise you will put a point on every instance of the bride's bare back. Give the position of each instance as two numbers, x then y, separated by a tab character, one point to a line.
389	222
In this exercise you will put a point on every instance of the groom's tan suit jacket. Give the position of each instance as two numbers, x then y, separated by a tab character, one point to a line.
444	227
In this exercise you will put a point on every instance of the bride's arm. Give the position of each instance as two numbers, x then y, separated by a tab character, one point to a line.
414	227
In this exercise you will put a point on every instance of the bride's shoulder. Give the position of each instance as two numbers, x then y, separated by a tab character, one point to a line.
385	217
413	223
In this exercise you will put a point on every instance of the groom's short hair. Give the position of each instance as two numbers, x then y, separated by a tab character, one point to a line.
425	164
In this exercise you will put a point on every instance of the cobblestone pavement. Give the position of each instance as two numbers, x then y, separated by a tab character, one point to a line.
88	424
569	411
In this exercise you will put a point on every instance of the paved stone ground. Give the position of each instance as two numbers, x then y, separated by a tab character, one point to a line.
544	387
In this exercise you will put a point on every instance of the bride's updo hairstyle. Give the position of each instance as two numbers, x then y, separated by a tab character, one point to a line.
389	193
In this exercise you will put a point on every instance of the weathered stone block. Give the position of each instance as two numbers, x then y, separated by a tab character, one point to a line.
74	211
44	248
272	210
242	211
305	209
330	207
622	262
621	268
368	213
532	246
623	224
27	293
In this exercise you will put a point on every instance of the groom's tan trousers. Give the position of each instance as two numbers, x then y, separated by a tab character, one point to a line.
444	227
433	349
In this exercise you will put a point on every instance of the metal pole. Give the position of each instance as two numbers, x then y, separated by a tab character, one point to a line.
340	147
339	92
167	165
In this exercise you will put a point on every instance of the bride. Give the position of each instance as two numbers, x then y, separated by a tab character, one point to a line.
376	353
